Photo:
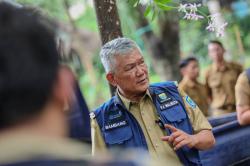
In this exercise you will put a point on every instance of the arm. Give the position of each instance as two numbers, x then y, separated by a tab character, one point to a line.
242	95
98	144
243	114
202	140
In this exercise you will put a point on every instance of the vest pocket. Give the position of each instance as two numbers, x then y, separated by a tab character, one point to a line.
118	136
174	114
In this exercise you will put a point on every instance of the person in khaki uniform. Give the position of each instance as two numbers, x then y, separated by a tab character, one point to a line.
242	94
189	68
127	71
221	78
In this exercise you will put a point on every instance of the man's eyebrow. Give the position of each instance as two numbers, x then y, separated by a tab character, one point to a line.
130	64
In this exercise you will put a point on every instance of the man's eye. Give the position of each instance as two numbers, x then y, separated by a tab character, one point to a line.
141	63
128	68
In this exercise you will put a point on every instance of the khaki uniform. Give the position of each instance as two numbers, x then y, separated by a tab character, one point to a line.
24	147
197	92
18	147
145	113
242	90
220	83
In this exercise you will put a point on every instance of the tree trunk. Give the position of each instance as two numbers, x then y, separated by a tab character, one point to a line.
165	50
108	23
169	27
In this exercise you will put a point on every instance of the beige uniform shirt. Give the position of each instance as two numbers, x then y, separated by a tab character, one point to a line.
197	92
25	146
242	90
145	113
220	84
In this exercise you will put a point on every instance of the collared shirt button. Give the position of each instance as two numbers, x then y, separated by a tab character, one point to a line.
156	145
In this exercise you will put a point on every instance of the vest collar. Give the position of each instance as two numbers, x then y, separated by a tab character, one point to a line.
126	102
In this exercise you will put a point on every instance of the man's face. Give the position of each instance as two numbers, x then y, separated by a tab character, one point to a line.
131	74
192	70
215	51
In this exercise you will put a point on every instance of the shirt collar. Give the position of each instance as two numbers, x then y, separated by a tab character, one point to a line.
127	103
216	68
189	82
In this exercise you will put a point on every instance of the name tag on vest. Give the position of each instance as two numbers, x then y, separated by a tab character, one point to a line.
168	104
116	125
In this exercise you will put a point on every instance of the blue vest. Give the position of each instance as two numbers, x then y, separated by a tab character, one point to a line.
120	129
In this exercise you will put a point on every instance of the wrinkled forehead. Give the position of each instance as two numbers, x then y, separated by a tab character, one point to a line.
129	57
132	54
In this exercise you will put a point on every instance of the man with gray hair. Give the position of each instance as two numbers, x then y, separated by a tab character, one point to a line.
159	118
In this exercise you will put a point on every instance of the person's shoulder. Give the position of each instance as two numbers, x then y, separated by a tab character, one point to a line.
165	84
243	79
235	65
106	105
183	85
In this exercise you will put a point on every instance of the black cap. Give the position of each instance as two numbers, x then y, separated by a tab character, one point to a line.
185	62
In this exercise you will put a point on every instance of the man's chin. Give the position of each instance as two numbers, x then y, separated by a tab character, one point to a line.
144	87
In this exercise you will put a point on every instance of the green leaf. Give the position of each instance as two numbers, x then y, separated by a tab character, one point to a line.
148	10
163	6
136	3
162	1
153	16
133	3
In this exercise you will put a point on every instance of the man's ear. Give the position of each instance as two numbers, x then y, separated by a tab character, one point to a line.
111	79
64	86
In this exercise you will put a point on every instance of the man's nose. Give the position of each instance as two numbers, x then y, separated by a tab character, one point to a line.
139	70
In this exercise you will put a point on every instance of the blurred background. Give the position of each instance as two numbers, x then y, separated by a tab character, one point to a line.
163	36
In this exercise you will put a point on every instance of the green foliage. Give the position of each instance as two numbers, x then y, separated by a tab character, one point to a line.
88	20
94	95
193	37
154	7
244	25
54	8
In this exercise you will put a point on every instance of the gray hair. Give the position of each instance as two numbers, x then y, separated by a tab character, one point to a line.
116	47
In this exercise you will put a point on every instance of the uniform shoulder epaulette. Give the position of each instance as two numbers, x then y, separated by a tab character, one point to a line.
92	115
176	83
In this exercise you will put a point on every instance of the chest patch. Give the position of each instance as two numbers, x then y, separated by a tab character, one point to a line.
115	119
163	97
115	125
168	104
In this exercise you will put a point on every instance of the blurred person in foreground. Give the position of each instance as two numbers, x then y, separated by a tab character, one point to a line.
221	78
159	118
189	68
242	95
35	92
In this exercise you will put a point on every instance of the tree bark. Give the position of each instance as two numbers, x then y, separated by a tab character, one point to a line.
108	23
169	27
165	49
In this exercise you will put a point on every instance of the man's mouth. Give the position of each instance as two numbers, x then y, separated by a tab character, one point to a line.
142	81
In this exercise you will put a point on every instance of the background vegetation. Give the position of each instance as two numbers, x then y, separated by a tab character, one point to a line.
193	38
